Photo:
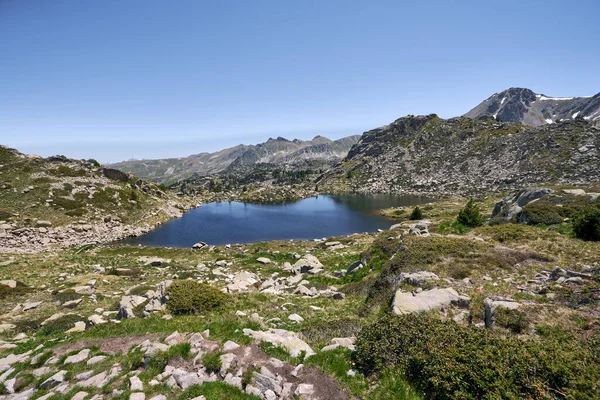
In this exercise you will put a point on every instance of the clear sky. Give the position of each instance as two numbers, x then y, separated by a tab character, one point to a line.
116	79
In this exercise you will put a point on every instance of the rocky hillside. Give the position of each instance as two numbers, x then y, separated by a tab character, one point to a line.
427	154
57	201
529	108
278	151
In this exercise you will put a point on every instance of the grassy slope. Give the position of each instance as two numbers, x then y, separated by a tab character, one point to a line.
77	190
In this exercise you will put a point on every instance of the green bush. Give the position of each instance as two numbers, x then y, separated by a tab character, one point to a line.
537	213
514	320
587	224
190	297
416	214
212	361
470	215
66	295
446	360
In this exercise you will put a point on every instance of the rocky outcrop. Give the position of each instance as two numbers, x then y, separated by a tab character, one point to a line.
116	175
513	203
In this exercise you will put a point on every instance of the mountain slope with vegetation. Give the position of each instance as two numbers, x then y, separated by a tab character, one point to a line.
60	201
427	154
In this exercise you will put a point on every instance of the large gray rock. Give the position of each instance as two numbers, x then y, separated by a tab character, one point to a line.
242	282
116	175
434	299
77	358
54	380
127	304
308	264
354	267
513	203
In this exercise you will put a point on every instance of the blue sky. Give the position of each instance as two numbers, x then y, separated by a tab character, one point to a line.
116	79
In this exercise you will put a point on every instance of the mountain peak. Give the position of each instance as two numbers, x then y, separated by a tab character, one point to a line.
524	106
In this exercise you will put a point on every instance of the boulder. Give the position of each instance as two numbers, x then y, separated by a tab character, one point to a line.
116	175
199	245
434	299
263	260
77	358
9	282
54	380
127	304
354	267
308	264
242	281
513	203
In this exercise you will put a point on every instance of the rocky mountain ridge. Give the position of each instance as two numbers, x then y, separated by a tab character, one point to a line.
279	151
526	107
430	155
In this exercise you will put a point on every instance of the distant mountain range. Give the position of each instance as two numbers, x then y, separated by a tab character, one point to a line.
533	109
514	105
279	151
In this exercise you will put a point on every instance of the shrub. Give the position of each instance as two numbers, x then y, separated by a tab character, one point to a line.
514	320
470	215
190	297
416	214
498	220
66	295
446	360
212	361
537	213
587	224
4	214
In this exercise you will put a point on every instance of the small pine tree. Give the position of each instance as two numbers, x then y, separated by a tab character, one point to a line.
416	214
470	215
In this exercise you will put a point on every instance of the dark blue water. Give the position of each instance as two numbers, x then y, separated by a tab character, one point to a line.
233	222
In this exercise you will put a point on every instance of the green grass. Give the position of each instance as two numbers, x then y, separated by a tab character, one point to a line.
212	361
216	391
337	363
